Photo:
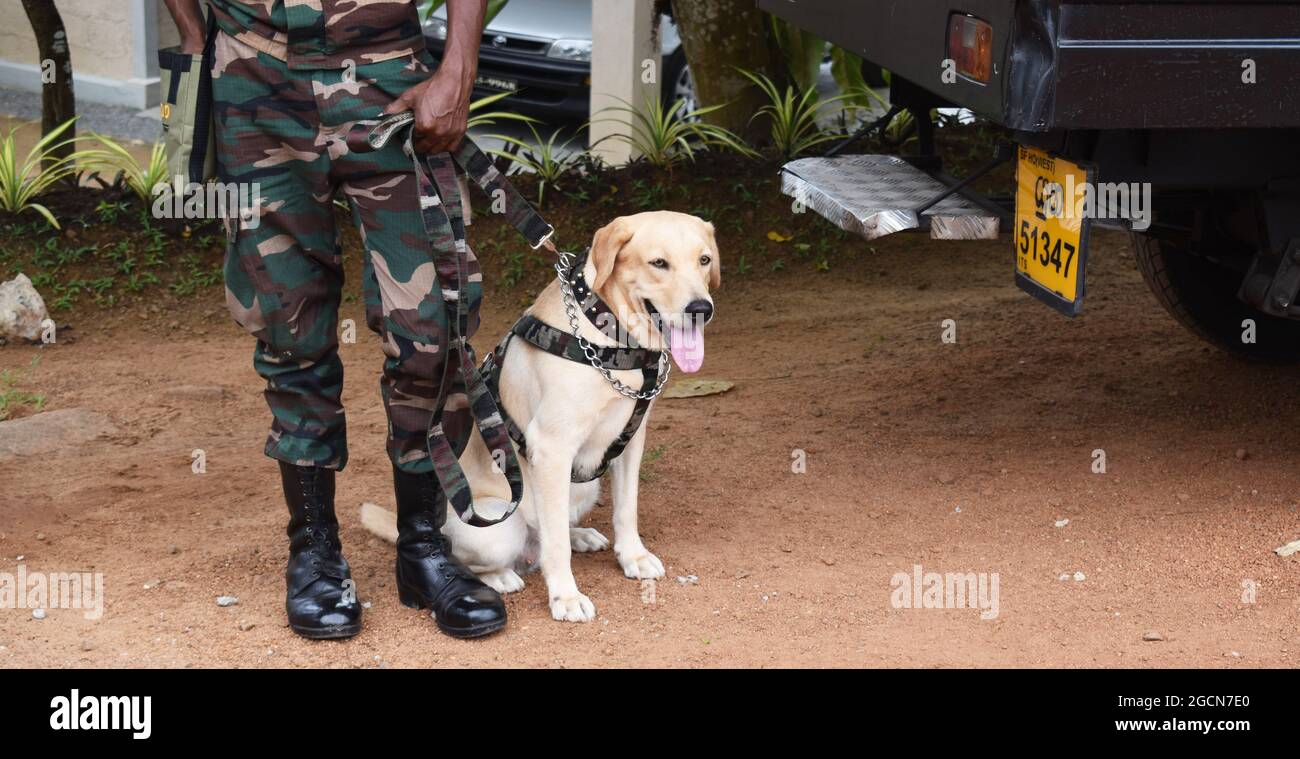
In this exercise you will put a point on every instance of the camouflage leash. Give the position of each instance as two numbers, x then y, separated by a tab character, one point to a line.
444	223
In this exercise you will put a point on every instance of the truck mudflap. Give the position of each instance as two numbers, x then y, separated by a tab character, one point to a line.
878	195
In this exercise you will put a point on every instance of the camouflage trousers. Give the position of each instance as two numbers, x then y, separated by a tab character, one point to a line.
285	130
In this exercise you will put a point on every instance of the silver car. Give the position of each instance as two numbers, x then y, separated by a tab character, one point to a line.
541	50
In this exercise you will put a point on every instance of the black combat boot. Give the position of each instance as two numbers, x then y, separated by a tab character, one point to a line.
428	576
322	599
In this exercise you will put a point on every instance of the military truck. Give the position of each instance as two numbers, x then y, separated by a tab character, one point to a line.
1176	120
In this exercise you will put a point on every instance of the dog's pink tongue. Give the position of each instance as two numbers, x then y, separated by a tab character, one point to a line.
686	341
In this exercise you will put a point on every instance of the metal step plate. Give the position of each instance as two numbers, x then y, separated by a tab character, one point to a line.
873	196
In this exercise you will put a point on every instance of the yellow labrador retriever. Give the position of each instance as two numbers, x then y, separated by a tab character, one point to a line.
654	271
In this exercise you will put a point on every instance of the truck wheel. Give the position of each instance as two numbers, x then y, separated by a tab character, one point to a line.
1202	295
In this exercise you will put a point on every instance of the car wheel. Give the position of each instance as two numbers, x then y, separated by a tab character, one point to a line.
678	84
1201	293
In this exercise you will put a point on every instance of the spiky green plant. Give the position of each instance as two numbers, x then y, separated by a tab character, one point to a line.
665	135
866	99
23	180
792	115
141	178
489	118
803	52
426	8
549	159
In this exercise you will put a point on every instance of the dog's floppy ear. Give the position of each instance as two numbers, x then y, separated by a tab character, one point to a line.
609	240
715	271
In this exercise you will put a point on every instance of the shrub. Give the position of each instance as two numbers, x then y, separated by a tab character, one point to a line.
23	181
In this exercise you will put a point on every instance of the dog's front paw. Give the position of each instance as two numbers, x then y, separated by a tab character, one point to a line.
573	608
503	581
587	539
641	565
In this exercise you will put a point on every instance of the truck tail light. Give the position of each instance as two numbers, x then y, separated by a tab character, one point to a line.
970	46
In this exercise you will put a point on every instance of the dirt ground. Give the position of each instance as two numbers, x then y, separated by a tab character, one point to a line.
957	457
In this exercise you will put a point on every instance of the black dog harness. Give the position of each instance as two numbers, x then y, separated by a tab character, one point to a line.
557	342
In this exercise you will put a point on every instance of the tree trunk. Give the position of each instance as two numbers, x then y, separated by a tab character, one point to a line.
58	104
719	35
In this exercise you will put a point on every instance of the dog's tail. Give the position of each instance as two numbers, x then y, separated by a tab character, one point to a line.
379	521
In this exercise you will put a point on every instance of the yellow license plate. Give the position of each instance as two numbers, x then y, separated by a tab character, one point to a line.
1050	236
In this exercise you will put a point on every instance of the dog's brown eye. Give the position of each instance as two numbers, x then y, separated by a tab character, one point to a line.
705	260
659	263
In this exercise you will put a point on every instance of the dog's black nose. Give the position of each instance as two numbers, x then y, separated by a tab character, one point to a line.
701	309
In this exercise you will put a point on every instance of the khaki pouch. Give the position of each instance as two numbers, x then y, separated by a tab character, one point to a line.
187	119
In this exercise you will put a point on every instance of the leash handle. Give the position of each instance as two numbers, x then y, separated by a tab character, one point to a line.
367	136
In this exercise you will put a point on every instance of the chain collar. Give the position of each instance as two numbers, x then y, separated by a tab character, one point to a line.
564	265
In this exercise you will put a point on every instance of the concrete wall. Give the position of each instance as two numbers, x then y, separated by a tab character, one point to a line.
623	55
113	44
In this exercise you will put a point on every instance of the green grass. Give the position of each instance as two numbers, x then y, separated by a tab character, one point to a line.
11	397
648	460
194	275
516	267
66	270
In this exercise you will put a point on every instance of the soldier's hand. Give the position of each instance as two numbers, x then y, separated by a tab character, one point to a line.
441	107
192	45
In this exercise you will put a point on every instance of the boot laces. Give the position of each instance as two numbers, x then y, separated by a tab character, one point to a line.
313	515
